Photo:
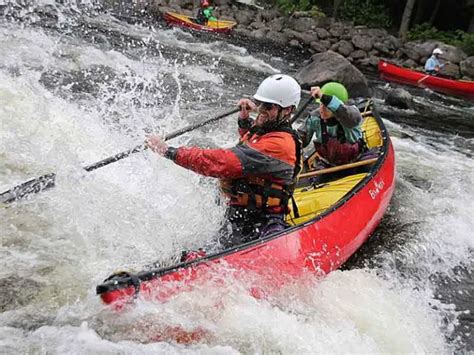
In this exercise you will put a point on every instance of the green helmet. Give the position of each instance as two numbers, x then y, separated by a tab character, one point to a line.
335	89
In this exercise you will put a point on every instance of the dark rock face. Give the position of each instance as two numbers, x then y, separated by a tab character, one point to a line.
330	66
399	98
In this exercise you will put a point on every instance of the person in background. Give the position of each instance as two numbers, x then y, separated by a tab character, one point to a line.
205	13
336	127
258	175
432	65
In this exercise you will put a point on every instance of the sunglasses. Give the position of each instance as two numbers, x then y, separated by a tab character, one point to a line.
265	106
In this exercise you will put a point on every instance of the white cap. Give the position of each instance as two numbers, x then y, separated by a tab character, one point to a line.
279	89
437	51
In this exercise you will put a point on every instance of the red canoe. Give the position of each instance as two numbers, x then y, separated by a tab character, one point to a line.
219	26
335	219
391	72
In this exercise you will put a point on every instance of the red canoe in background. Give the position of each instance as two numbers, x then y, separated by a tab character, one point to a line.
335	219
219	26
391	72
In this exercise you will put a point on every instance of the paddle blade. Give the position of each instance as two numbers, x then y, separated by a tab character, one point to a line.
29	187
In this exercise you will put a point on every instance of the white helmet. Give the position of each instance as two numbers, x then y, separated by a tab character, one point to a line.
279	89
437	51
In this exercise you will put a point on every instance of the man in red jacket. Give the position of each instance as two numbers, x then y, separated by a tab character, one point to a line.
258	174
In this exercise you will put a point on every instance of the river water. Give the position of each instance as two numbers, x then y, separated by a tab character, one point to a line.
89	86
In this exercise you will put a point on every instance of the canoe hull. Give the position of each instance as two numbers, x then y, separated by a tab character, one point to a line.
175	19
391	72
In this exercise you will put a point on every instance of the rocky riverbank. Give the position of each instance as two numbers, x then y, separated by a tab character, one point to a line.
361	46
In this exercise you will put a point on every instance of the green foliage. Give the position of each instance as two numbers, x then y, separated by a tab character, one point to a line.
371	13
289	6
457	38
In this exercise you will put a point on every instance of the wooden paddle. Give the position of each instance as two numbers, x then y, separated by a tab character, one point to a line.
337	168
48	180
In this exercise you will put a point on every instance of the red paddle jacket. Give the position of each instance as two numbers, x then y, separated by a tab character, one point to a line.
257	172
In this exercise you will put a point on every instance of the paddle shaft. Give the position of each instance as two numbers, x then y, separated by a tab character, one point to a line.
338	168
47	181
142	147
423	79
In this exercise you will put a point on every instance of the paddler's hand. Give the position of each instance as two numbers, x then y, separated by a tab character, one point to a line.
316	92
156	144
246	106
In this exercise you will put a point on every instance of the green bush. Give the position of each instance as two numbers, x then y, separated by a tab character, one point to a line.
458	38
371	13
289	6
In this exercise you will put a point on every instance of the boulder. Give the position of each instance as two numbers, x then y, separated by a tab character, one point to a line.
303	24
358	54
270	15
257	25
277	24
336	31
467	67
322	33
277	37
363	42
383	47
399	98
344	47
452	54
244	17
410	49
331	66
320	46
260	33
451	70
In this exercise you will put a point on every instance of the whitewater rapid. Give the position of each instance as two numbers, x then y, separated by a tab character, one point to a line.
58	245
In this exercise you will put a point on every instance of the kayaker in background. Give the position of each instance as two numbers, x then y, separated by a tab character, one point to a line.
433	65
257	175
205	13
336	127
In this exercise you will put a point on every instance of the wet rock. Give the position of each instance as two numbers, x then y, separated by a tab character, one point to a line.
245	17
383	48
411	51
17	292
257	25
399	98
320	46
363	42
344	48
322	33
370	61
358	54
451	70
467	67
452	54
330	66
277	37
277	24
88	80
303	25
270	15
260	33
